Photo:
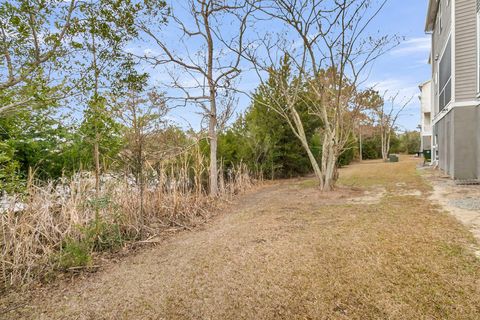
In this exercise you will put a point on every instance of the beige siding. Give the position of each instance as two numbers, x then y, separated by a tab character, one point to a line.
465	50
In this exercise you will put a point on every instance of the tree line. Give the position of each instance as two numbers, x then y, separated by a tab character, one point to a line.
75	96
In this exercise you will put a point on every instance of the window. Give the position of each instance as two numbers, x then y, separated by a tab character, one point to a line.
445	77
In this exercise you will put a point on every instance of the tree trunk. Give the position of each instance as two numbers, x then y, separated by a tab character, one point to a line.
212	131
385	145
314	163
212	125
329	163
300	133
142	188
198	169
96	156
361	146
138	147
96	147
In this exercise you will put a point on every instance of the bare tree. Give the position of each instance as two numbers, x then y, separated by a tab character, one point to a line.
144	115
331	53
205	75
387	118
369	101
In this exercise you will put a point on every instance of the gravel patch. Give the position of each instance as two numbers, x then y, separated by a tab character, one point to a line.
467	203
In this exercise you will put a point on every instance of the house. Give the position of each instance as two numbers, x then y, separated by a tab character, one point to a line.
426	142
454	28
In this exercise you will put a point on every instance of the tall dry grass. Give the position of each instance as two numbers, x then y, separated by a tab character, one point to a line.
32	239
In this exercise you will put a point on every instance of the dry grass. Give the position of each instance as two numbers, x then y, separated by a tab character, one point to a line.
32	241
401	175
284	253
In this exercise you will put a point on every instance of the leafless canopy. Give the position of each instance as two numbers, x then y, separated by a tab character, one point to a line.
331	48
200	59
386	116
205	73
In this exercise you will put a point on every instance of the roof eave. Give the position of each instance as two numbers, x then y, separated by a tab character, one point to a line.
431	15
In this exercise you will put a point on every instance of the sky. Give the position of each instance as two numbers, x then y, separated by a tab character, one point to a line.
400	71
406	67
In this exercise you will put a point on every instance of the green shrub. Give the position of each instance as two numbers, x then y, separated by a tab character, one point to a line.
99	203
97	236
102	236
74	254
346	157
10	178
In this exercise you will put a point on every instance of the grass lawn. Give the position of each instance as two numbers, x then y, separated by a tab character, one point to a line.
374	249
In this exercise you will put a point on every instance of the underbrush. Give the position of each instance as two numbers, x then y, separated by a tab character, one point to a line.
61	225
96	236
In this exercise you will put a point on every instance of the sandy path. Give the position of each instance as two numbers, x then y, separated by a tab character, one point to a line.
190	265
446	193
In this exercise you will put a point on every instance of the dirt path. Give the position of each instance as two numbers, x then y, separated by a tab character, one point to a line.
462	201
375	249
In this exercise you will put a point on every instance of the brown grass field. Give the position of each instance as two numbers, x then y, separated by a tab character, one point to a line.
374	249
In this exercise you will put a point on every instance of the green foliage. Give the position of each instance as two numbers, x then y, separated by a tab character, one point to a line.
395	146
99	125
408	143
263	139
99	203
372	147
97	72
97	236
102	236
10	179
346	157
33	138
74	254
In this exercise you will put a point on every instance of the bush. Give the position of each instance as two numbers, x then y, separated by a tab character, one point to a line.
74	254
97	236
10	179
372	148
346	157
102	236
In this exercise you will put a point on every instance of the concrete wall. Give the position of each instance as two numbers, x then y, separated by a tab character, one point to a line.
426	117
426	143
427	122
446	133
465	143
426	96
458	143
478	143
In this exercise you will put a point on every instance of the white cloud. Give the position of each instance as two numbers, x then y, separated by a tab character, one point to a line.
148	52
393	86
407	91
419	45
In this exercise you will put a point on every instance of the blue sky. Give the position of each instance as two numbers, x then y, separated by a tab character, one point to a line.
407	66
400	70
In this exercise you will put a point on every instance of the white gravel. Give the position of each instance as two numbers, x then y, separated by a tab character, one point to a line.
466	203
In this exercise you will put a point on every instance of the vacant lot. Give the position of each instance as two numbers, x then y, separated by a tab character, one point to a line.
374	249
